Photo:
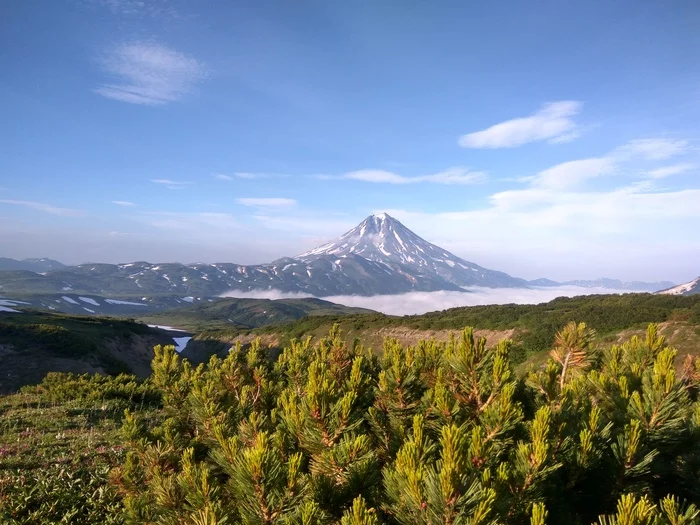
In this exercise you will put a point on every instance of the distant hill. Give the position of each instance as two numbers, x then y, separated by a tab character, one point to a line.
31	265
91	304
183	312
247	313
610	284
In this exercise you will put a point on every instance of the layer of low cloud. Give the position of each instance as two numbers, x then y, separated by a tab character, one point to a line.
423	302
149	73
553	123
455	175
46	208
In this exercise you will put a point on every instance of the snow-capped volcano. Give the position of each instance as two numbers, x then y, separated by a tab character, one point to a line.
378	257
383	239
691	288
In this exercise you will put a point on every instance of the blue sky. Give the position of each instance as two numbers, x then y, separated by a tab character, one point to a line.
557	139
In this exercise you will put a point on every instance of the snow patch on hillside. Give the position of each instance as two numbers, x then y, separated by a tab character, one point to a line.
10	302
115	301
682	288
9	310
166	327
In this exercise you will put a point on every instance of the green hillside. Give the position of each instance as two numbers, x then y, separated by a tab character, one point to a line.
35	343
247	313
532	327
332	434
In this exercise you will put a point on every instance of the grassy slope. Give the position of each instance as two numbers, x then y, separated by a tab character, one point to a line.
57	446
247	313
532	327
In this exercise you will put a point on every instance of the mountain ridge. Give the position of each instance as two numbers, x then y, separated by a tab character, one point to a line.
380	256
689	288
603	282
38	265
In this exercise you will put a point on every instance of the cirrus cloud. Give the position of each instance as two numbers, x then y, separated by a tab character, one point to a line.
148	73
456	175
554	122
172	184
668	171
267	202
46	208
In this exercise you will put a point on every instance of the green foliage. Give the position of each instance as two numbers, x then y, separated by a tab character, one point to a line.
57	387
60	495
440	432
330	433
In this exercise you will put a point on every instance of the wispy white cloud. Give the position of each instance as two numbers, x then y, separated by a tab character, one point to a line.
554	122
247	175
46	208
568	174
579	225
126	204
252	175
152	8
172	184
652	149
376	176
267	202
668	171
149	73
456	175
